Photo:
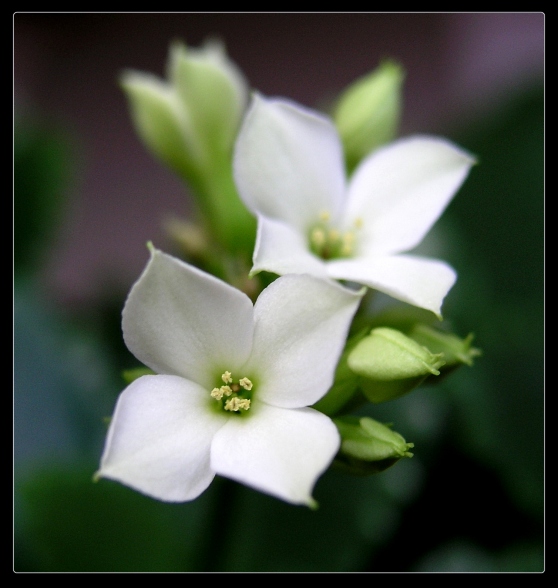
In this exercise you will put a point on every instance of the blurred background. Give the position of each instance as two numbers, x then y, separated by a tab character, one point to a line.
87	198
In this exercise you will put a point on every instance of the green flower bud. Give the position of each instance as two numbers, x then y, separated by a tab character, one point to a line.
391	364
213	92
368	446
160	122
368	112
191	120
456	351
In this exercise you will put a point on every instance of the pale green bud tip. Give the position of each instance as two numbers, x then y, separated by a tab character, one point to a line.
368	112
213	94
368	446
212	50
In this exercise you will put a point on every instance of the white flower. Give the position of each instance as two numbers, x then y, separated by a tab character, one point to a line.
289	172
234	383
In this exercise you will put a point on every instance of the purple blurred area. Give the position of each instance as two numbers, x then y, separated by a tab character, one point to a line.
66	66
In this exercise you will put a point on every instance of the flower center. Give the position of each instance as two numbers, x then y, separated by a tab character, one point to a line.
328	242
233	396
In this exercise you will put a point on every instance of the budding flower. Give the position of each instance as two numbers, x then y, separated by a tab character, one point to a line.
368	112
391	364
368	446
191	119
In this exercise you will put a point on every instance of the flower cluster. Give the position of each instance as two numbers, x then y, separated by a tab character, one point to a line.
260	392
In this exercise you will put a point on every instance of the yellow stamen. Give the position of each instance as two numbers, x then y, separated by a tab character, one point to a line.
245	383
333	235
318	237
236	403
348	242
216	393
329	242
234	397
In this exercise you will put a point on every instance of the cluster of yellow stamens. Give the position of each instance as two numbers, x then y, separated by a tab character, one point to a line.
328	243
234	400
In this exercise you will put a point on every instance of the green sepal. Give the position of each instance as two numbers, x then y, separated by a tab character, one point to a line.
368	446
456	351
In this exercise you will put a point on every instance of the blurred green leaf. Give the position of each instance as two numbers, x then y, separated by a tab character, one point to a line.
63	383
355	516
67	523
44	165
497	228
464	556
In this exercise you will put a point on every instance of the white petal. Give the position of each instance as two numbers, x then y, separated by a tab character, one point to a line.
301	325
180	320
288	163
401	190
416	280
159	438
279	451
280	249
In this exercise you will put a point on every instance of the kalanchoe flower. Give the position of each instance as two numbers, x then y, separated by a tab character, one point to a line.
289	171
233	386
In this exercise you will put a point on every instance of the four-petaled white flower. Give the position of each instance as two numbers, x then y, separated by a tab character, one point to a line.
233	387
289	172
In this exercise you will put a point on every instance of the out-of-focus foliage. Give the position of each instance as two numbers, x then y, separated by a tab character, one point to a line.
499	249
43	171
